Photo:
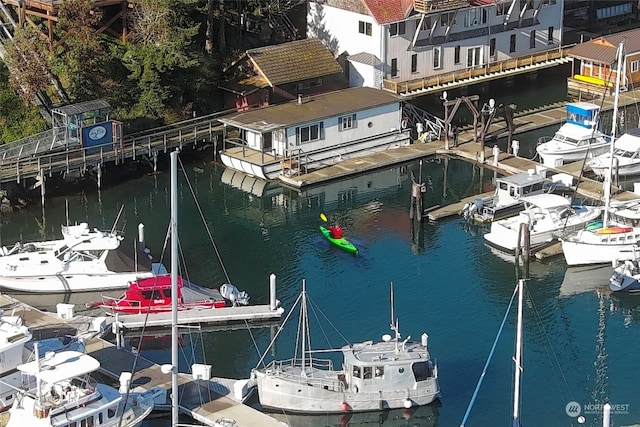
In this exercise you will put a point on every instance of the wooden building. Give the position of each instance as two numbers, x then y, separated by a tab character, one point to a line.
280	73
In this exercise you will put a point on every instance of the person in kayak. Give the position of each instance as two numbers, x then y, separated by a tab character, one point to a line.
336	231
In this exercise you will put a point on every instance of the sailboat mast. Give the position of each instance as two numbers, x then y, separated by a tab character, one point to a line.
616	98
303	320
174	288
518	359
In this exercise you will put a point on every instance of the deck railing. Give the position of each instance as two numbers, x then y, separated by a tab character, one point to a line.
402	87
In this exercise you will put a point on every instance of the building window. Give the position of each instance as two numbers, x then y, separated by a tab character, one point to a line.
456	55
437	54
426	23
414	63
364	28
550	35
634	66
397	29
346	122
474	57
532	39
512	43
394	67
492	48
309	133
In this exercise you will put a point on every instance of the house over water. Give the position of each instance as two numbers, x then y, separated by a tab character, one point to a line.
312	132
385	43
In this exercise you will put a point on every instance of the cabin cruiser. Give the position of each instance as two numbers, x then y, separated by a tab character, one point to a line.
390	374
506	200
576	138
626	274
83	260
626	157
60	392
548	217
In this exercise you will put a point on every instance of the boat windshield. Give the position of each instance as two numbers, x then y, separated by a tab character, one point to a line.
619	152
61	251
566	139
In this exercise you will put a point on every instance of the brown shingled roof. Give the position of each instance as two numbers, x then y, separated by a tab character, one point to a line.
603	49
294	61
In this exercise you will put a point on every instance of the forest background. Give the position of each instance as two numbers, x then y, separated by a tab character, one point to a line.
167	70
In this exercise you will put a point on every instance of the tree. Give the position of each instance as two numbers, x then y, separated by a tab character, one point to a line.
162	34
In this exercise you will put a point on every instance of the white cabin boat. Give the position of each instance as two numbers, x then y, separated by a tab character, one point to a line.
576	138
83	260
375	376
13	336
65	395
548	216
626	157
506	200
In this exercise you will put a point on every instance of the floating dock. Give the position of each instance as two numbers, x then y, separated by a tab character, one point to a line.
212	401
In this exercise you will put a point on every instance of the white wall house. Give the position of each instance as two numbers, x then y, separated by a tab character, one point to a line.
452	35
316	132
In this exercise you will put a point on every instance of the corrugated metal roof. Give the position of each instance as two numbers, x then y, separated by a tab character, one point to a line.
603	49
82	107
312	108
294	61
365	58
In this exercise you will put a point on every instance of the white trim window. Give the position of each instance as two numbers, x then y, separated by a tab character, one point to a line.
364	28
347	122
309	133
634	66
437	57
397	28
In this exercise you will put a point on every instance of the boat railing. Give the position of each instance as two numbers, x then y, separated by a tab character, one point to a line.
281	368
544	139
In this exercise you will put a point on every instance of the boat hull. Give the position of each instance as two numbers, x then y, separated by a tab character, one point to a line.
589	247
64	283
624	283
303	397
342	243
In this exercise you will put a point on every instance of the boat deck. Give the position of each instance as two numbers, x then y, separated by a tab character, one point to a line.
206	401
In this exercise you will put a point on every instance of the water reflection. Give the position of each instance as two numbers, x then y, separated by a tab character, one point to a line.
425	416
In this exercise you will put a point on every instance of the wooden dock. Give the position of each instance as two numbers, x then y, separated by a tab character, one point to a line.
206	401
209	316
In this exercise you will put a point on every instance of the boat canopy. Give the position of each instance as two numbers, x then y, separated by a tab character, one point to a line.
61	366
583	114
547	201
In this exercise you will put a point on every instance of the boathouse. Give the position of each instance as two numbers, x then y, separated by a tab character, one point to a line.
279	73
594	68
388	43
312	132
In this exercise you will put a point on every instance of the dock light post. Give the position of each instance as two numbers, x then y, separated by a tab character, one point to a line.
487	113
446	119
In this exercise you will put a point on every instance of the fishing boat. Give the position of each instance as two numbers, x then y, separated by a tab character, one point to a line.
620	230
64	394
548	216
505	201
83	260
153	295
342	243
578	136
626	156
390	374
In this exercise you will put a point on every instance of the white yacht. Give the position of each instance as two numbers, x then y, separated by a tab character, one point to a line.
65	395
576	138
548	216
375	376
626	157
13	337
83	260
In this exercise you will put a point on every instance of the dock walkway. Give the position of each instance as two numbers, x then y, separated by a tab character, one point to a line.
206	401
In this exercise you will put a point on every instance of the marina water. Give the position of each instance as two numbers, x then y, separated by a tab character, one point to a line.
580	343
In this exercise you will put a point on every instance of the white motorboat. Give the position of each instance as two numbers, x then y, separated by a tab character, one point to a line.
548	216
375	376
83	260
626	275
13	336
65	395
578	136
615	238
626	156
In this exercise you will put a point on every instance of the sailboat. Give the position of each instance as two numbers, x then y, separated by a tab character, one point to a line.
620	226
375	376
517	361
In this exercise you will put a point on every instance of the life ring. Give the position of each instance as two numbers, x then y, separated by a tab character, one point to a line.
404	123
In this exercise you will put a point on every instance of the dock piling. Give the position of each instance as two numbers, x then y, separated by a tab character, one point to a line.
272	292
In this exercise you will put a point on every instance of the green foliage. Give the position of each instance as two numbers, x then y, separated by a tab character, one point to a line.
16	120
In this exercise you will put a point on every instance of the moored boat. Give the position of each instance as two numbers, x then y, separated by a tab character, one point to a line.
342	243
626	275
390	374
153	295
